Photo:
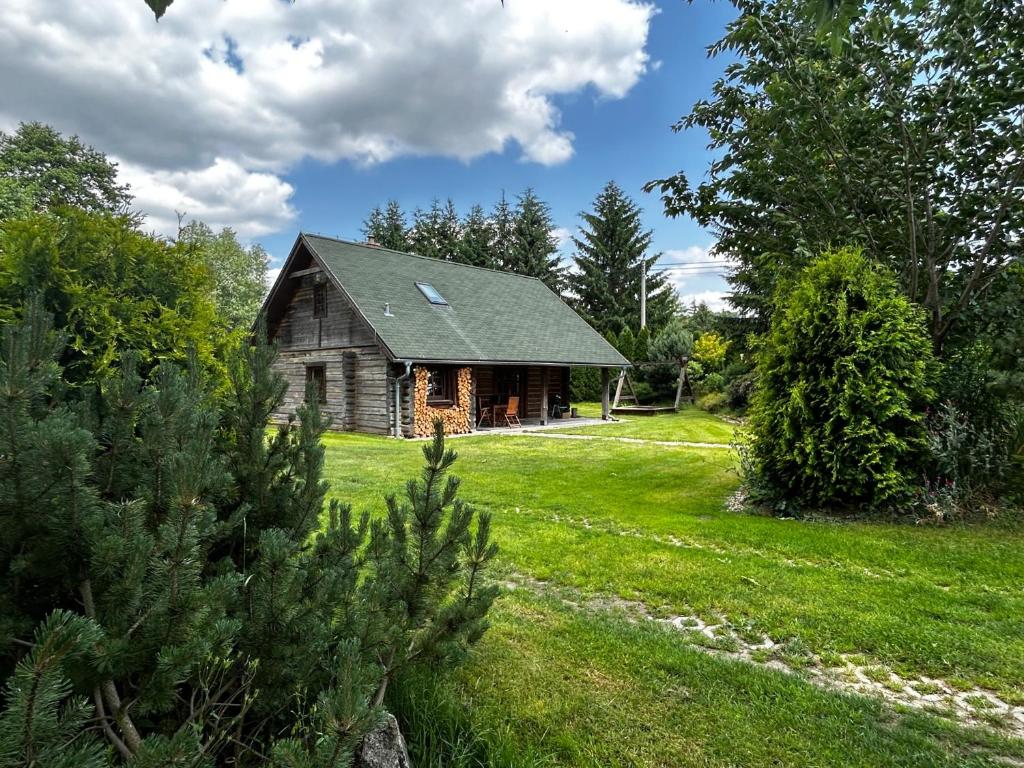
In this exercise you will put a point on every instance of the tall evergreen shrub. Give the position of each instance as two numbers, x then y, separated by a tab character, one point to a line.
837	417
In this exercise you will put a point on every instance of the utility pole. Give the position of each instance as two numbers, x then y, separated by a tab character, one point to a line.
643	293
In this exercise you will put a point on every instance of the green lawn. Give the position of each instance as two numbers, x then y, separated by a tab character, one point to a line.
566	678
690	425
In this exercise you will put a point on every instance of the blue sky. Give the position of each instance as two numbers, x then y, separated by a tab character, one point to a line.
272	117
629	140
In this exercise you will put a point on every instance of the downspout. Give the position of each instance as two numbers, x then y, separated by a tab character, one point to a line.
398	397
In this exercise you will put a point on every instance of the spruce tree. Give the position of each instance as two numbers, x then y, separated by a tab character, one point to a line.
503	225
195	605
425	234
387	228
476	245
373	225
449	233
534	249
611	252
395	231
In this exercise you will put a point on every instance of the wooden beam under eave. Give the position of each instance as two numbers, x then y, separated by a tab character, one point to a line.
304	272
544	396
605	394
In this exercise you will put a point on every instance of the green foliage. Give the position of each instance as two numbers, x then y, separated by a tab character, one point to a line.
236	621
476	244
713	401
43	723
711	382
584	385
739	390
642	347
838	414
710	350
626	343
435	233
905	143
671	343
534	250
388	228
110	288
41	170
611	253
239	274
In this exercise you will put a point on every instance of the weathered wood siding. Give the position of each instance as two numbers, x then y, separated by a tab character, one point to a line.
355	367
341	327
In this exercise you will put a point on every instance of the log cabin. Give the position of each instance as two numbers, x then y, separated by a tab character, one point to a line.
390	341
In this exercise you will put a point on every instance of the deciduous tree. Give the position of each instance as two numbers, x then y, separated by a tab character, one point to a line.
908	143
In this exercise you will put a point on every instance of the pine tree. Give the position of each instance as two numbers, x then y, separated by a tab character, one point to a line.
182	574
611	252
476	245
534	249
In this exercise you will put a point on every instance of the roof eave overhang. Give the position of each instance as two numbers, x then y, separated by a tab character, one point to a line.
538	363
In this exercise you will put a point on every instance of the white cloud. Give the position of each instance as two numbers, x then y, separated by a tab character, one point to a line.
222	195
696	264
716	300
272	275
263	84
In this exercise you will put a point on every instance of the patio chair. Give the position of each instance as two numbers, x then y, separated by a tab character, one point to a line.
511	412
485	411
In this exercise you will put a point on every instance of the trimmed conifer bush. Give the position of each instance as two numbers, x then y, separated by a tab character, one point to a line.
837	417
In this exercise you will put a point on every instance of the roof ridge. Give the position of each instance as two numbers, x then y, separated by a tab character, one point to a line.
417	255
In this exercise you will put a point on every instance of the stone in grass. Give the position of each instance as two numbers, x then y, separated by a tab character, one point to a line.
383	747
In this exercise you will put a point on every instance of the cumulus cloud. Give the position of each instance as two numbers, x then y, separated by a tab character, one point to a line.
223	195
700	265
716	300
255	86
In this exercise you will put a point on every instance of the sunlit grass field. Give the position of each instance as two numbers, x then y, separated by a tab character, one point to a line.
566	678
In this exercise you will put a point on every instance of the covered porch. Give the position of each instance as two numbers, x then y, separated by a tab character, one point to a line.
539	394
469	398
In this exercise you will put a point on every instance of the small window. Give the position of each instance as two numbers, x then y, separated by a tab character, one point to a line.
440	386
320	300
431	293
316	380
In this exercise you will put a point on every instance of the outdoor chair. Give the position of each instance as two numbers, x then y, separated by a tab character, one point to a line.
511	412
485	411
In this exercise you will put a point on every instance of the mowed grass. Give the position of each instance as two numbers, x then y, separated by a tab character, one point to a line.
554	684
690	425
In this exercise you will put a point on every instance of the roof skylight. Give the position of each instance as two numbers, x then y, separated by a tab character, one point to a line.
431	294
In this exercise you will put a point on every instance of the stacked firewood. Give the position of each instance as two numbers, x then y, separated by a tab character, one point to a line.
457	418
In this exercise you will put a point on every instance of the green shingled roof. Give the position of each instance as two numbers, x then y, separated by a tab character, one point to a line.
491	316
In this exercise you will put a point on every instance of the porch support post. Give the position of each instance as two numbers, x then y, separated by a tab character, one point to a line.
605	394
544	395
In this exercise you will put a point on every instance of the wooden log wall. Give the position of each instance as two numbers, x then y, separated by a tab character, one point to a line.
340	327
356	371
457	418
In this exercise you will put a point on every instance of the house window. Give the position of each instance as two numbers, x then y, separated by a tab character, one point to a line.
316	381
440	386
320	300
